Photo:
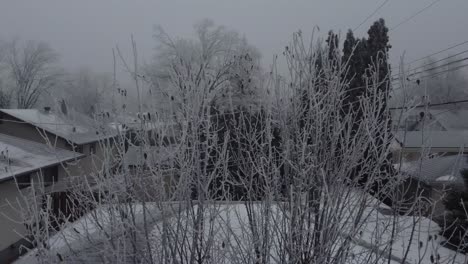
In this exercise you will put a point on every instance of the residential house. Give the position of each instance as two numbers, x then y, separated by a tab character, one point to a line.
25	165
442	174
417	144
431	119
67	130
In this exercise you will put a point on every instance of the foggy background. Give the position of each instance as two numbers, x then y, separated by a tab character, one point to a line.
84	32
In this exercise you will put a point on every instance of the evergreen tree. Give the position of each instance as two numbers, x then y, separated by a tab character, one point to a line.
377	58
364	57
378	47
332	45
348	45
355	55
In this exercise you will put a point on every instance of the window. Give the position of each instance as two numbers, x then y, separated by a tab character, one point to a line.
92	148
23	181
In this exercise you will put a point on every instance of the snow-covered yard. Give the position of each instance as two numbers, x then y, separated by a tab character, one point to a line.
229	236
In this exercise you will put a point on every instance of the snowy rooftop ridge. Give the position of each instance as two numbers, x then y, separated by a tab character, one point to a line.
19	156
73	127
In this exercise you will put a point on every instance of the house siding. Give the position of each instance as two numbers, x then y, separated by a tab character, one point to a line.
11	229
16	128
90	164
69	174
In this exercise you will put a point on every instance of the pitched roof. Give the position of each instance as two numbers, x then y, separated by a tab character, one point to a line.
19	156
75	127
451	119
435	119
437	169
433	139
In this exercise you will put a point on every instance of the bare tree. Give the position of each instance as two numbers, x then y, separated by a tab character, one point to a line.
31	68
436	81
298	199
5	93
218	56
86	91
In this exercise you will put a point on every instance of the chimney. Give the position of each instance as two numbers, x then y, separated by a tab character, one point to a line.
47	109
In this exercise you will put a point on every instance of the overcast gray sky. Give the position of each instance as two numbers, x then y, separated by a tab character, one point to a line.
84	31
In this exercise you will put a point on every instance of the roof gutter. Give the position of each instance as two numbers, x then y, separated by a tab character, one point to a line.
39	168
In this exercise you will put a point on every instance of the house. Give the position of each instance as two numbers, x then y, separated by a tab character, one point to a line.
25	165
64	129
430	120
417	144
442	174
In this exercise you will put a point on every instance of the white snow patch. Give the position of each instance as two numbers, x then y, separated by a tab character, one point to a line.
91	229
447	178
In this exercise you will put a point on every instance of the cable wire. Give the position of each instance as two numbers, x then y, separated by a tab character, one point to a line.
372	14
414	15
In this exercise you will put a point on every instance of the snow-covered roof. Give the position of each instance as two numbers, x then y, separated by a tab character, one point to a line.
451	119
433	139
434	119
19	156
73	127
438	169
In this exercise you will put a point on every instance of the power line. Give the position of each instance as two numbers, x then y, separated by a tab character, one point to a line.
434	75
372	14
414	15
430	76
439	73
429	105
423	77
443	59
437	67
438	52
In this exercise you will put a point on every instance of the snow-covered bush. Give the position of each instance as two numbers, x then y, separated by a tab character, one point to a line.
285	182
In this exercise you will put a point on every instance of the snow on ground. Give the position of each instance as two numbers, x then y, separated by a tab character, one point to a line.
92	228
228	224
416	239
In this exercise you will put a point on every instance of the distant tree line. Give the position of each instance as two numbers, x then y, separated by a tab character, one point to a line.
31	77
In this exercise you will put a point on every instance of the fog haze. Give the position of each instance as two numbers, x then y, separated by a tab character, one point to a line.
84	32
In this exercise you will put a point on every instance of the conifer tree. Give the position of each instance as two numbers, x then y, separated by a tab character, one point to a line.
378	47
365	57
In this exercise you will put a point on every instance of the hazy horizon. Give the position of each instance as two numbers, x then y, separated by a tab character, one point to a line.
84	32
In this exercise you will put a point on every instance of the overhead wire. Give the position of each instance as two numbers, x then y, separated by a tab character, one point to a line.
372	14
439	52
414	15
